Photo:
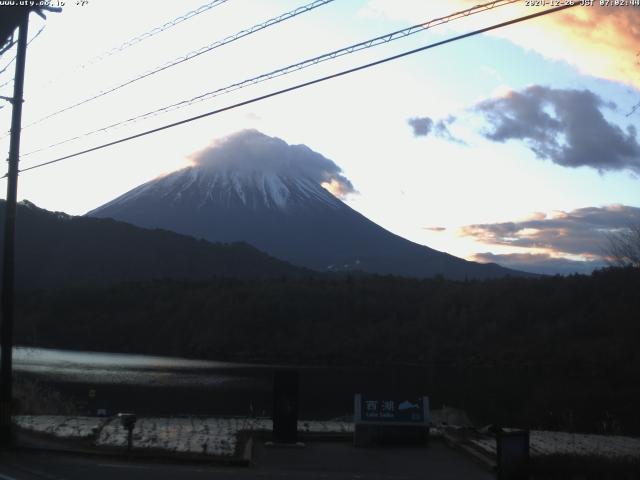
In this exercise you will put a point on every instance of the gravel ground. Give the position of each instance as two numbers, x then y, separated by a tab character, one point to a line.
542	443
197	435
218	436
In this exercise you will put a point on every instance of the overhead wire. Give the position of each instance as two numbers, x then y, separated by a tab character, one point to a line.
7	46
13	59
154	31
387	38
144	36
4	84
190	56
303	85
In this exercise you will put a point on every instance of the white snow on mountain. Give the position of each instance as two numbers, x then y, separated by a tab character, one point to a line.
284	200
252	169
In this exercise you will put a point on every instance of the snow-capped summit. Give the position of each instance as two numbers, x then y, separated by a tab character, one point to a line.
252	189
248	169
285	200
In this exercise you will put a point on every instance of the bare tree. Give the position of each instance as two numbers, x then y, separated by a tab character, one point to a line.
636	107
623	247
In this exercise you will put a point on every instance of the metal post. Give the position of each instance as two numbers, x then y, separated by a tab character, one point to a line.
7	299
130	438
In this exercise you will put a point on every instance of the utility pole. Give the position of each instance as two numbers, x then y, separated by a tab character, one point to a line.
8	259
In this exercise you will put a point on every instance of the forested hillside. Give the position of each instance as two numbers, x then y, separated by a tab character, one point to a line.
56	250
550	341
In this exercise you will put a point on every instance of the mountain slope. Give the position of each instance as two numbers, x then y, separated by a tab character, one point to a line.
259	190
55	249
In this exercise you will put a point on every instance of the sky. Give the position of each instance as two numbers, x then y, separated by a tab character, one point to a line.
516	146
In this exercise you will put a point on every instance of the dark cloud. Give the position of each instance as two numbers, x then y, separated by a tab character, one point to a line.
578	232
564	126
423	126
435	229
254	151
441	129
542	263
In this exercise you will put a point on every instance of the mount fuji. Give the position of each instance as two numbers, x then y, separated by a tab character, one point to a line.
277	197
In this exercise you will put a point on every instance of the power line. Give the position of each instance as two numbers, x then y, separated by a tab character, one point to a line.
290	69
10	43
4	69
13	59
144	36
303	85
191	55
154	31
2	86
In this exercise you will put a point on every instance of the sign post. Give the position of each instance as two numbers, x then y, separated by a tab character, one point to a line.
285	407
128	421
513	455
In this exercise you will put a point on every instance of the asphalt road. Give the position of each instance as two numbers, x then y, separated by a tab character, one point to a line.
321	460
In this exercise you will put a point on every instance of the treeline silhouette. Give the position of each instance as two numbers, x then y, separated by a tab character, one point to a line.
56	250
552	352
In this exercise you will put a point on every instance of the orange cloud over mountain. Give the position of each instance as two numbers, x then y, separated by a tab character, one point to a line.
602	41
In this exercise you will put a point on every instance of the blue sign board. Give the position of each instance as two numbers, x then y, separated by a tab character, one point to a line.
387	410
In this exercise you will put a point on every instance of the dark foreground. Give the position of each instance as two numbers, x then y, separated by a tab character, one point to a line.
556	353
332	460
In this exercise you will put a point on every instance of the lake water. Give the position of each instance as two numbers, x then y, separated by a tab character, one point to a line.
101	368
157	385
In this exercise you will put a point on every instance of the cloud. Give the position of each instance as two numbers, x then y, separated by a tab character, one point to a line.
441	130
423	126
435	229
542	263
581	232
252	116
599	41
251	150
338	188
565	126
